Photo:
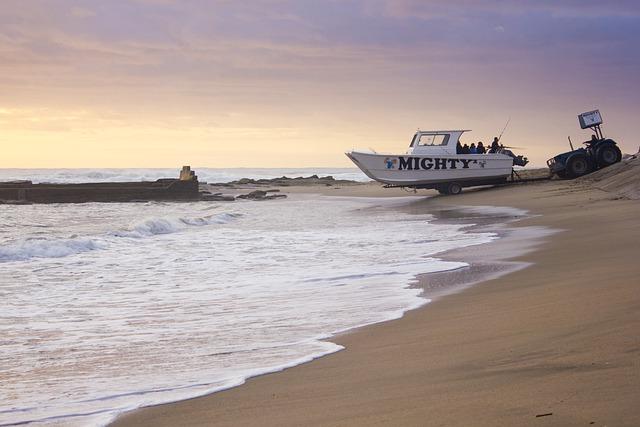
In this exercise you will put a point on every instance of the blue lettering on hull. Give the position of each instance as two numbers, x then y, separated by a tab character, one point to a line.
435	163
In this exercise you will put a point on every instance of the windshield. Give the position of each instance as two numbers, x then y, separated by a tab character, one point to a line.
433	140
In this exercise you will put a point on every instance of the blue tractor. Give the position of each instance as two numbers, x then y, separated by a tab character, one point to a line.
599	152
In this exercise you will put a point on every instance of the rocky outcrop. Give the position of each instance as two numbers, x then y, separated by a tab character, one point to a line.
216	197
261	195
289	182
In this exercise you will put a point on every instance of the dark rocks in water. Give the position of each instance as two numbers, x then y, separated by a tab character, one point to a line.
209	196
217	197
286	182
275	196
261	195
258	194
244	181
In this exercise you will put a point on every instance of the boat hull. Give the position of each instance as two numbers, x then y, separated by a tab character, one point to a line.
412	170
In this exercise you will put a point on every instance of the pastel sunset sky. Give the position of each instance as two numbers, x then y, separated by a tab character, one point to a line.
291	83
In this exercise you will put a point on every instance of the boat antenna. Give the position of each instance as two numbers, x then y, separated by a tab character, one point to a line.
503	129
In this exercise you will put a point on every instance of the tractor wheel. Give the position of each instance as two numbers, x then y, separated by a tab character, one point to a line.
577	165
454	188
607	155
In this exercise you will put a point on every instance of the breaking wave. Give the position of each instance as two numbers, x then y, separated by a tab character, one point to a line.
61	247
154	226
46	248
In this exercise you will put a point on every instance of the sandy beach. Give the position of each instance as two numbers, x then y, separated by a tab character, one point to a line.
555	343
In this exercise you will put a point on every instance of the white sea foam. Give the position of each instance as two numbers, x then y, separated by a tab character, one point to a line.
43	248
26	249
154	226
179	300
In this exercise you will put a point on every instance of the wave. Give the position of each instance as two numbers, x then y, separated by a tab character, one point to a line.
47	248
154	226
62	247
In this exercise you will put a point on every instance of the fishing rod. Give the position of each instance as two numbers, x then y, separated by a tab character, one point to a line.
503	129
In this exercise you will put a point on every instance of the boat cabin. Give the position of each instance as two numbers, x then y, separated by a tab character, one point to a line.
435	142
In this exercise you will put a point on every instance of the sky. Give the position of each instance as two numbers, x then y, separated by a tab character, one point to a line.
295	83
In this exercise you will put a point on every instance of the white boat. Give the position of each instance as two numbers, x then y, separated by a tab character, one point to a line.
432	161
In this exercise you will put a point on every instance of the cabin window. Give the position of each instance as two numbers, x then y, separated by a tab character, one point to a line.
433	140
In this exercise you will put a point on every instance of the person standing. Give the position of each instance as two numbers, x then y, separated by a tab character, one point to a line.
495	145
473	149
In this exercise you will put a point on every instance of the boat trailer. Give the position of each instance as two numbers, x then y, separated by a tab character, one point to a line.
454	188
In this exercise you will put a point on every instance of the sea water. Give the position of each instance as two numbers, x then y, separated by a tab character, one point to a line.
105	307
210	175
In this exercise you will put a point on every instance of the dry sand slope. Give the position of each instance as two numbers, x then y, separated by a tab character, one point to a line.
555	344
622	178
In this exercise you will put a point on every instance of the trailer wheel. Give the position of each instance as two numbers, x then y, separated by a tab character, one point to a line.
577	165
454	188
607	155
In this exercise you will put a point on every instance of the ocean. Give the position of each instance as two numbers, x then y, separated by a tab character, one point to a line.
210	175
111	306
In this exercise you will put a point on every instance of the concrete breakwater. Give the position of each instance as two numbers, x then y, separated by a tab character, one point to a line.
186	187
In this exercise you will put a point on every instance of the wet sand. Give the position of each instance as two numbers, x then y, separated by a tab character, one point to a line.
553	344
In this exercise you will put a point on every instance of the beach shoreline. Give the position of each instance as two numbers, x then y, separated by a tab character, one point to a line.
338	389
488	261
487	264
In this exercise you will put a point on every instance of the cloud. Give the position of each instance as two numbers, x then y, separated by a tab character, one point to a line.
81	12
431	9
342	63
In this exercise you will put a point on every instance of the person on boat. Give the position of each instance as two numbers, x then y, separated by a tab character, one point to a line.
480	148
473	149
495	145
465	149
458	148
